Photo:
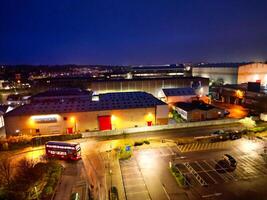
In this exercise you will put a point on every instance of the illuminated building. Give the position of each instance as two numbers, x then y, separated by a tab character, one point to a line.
106	85
226	72
109	111
254	72
198	111
173	95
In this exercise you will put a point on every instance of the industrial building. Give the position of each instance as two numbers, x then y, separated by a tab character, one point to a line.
198	111
106	85
174	95
60	112
217	72
253	72
250	95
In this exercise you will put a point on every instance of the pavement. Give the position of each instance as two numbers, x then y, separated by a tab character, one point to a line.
113	173
73	173
146	175
236	111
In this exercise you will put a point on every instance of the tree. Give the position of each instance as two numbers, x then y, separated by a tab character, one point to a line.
6	171
248	122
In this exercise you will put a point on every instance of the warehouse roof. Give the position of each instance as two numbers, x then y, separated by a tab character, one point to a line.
194	105
62	92
217	65
109	101
179	91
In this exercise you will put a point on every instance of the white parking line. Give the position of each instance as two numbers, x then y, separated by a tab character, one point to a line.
227	174
225	179
206	173
135	185
137	192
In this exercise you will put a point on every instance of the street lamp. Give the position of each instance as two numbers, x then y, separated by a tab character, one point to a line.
73	121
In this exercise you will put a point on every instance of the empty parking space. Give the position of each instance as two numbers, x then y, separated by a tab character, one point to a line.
213	173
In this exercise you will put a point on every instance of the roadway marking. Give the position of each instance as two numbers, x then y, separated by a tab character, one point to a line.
206	173
203	146
244	171
222	177
135	185
211	195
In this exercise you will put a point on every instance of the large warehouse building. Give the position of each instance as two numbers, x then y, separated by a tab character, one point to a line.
254	72
63	111
150	85
226	72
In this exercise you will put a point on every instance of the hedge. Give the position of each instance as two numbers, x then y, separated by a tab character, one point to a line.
180	178
16	142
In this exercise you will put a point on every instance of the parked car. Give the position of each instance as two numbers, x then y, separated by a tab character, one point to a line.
226	112
229	134
219	135
229	161
233	135
218	132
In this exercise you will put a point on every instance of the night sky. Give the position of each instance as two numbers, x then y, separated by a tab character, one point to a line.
132	31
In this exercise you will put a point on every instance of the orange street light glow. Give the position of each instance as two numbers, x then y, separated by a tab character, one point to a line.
113	117
72	119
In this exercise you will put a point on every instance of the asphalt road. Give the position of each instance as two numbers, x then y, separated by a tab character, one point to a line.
175	133
236	111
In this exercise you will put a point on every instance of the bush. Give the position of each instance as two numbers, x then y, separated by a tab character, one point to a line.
48	190
15	142
3	194
180	178
146	142
176	116
138	143
113	193
5	146
53	175
123	154
44	139
258	129
56	175
51	181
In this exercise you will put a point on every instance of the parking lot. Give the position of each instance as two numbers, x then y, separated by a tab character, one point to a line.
248	167
149	168
139	179
134	184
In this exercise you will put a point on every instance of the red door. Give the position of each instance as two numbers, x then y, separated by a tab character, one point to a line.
104	122
149	123
69	130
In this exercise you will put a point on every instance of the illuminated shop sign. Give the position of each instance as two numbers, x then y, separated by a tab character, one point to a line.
44	118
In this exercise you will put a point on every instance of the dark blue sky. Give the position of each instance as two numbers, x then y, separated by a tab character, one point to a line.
132	31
